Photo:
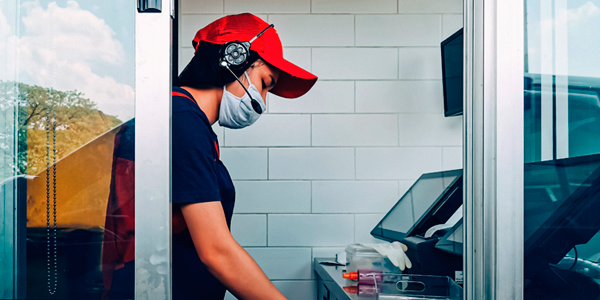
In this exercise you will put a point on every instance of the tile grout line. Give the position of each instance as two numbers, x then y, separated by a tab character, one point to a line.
311	130
354	96
354	227
311	59
311	196
441	27
442	158
354	30
398	70
355	172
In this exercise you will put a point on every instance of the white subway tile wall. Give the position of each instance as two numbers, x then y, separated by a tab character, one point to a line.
419	63
311	163
398	30
364	223
245	163
452	158
300	56
354	6
451	24
266	6
406	163
355	130
430	6
355	63
310	230
283	263
410	97
357	197
430	130
299	30
324	97
317	173
272	130
202	6
250	230
273	196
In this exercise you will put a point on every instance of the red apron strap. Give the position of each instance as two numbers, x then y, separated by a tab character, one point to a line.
217	148
178	94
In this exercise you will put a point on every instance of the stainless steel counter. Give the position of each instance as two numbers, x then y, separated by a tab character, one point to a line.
332	286
330	281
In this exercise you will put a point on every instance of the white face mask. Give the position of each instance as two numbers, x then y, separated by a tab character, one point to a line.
236	112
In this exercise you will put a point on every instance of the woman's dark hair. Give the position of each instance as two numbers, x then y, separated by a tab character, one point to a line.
204	71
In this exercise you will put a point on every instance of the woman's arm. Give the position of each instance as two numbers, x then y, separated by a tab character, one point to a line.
223	256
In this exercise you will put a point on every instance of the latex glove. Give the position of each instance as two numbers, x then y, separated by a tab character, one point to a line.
395	252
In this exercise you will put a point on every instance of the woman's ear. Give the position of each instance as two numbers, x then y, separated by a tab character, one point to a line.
259	62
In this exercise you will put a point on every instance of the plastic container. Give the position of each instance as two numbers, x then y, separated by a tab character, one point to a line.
361	257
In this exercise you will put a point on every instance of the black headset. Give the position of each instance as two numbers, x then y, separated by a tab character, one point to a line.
235	55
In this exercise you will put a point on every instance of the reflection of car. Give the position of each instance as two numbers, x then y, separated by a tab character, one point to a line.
79	273
83	186
583	115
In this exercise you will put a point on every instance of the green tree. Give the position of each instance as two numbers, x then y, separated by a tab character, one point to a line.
77	119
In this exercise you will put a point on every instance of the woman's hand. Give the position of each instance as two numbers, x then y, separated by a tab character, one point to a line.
223	256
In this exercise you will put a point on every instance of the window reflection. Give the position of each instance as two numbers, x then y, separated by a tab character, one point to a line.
64	96
562	142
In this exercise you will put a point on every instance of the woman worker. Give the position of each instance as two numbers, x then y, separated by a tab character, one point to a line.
206	258
238	59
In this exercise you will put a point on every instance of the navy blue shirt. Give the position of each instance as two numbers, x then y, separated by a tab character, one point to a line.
198	175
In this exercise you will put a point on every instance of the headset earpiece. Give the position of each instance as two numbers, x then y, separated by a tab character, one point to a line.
235	54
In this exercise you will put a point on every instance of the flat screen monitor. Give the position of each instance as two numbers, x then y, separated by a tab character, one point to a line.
421	199
452	74
562	205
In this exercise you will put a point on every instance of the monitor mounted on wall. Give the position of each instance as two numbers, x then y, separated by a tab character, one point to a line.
452	74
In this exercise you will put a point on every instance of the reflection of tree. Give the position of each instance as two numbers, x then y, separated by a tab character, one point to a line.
78	121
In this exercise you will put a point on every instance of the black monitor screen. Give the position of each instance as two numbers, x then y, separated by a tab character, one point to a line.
561	204
452	74
418	200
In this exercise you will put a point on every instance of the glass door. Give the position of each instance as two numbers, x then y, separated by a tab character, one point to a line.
562	149
67	94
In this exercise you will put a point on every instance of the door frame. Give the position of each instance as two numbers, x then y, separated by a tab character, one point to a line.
153	46
493	149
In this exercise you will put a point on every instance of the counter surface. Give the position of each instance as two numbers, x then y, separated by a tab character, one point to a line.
330	281
330	285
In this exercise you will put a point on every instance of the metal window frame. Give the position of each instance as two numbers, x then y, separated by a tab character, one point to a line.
493	149
13	209
153	153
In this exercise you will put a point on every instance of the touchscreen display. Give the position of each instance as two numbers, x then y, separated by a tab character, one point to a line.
414	203
548	186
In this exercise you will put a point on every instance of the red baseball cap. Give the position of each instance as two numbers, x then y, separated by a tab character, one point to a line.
293	81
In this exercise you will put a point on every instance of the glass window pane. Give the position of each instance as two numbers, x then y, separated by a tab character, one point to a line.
67	98
562	149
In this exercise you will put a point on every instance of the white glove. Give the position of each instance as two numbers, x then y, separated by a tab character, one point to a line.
394	252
